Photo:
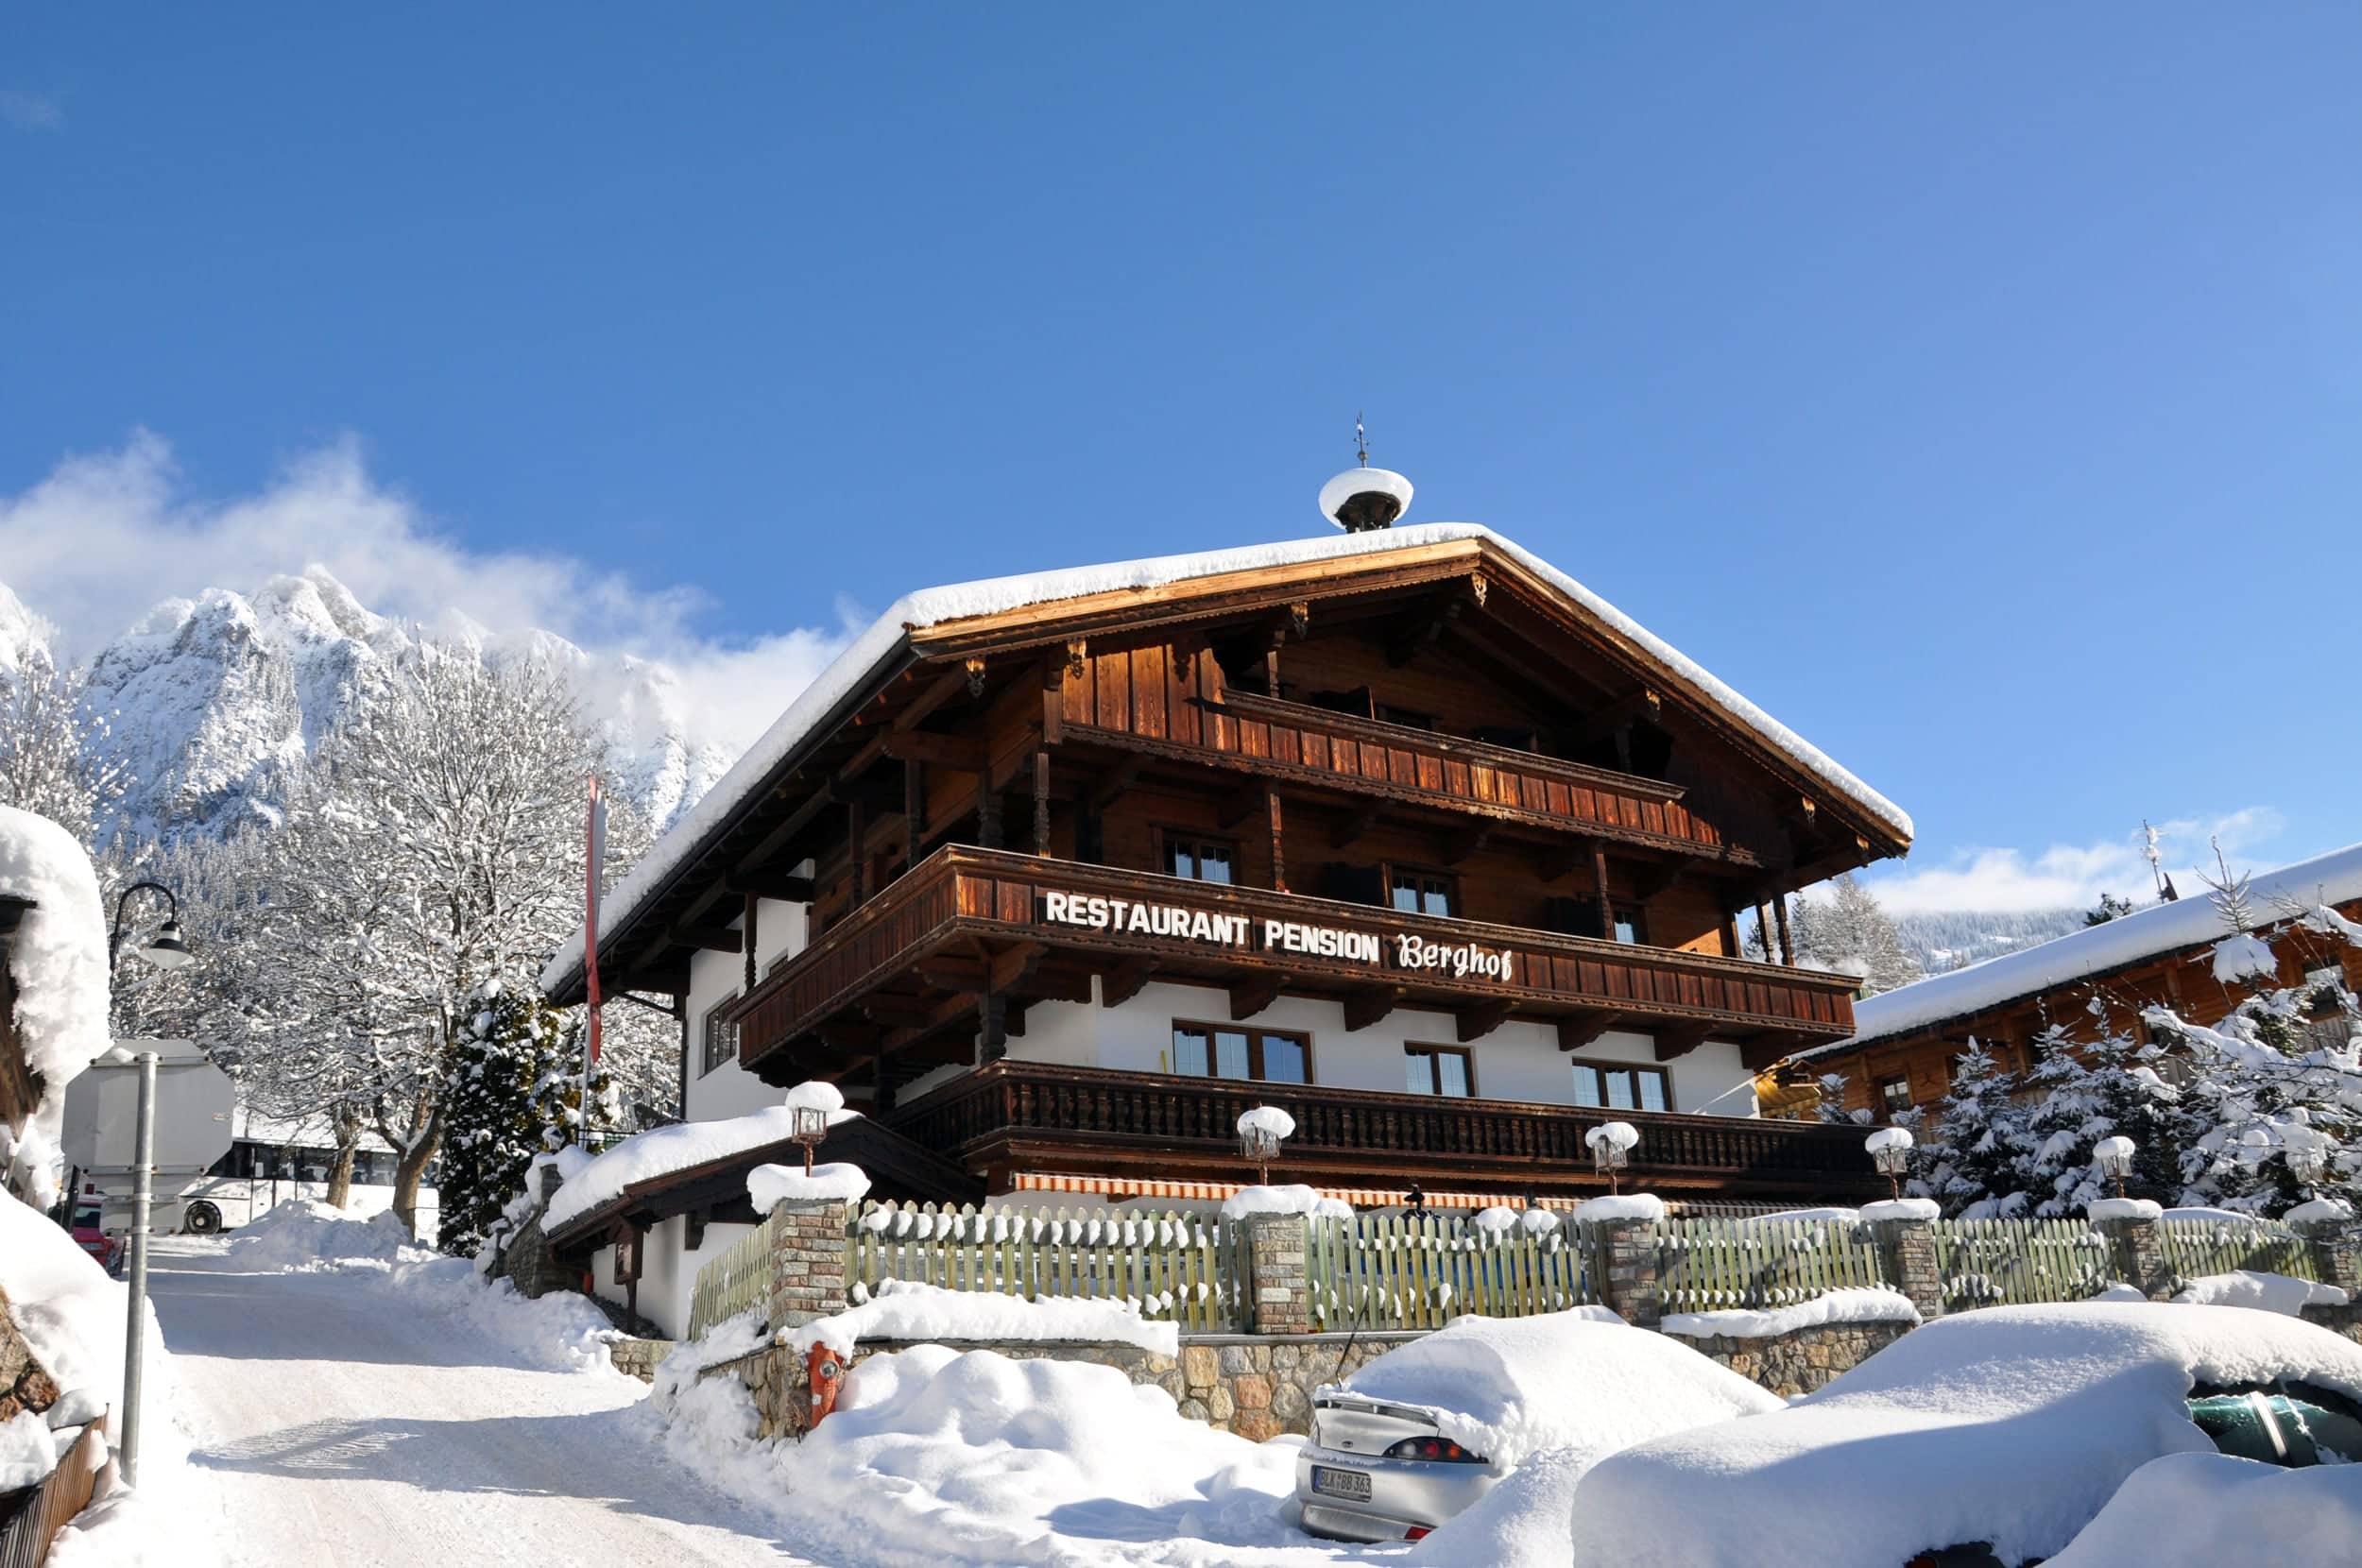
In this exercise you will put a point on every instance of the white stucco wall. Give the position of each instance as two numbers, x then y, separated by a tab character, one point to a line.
730	1090
668	1271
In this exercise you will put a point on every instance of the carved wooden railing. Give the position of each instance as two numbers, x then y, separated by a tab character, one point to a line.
1014	1101
1318	746
998	895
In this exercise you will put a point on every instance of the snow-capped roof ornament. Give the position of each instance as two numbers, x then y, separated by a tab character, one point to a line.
1362	499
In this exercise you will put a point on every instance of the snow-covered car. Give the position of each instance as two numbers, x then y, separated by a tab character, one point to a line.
1989	1438
1421	1433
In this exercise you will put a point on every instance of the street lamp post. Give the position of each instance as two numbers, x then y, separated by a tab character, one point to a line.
2114	1158
1890	1152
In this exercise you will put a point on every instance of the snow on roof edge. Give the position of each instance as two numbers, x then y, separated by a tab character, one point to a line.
2334	878
932	606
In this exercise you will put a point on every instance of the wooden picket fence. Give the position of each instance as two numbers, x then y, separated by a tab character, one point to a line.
1393	1271
1169	1266
734	1281
2198	1247
2020	1262
1708	1265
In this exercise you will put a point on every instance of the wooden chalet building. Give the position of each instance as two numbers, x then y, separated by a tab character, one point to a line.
1905	1040
1402	831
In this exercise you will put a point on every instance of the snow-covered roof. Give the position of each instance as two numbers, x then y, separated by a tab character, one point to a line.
683	1146
2127	940
869	652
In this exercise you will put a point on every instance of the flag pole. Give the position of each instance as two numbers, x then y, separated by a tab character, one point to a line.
595	857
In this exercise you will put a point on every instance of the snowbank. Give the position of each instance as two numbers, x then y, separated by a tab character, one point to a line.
1584	1381
1284	1200
872	653
770	1186
2200	1511
1630	1205
1519	1524
2012	1425
1924	1210
2265	1292
2317	1211
303	1233
1853	1305
666	1149
905	1310
1838	1215
59	962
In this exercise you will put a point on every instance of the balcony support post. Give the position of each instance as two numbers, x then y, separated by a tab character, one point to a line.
1041	802
857	842
914	812
1598	882
1787	942
1278	852
987	813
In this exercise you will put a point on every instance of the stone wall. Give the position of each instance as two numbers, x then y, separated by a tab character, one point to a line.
1803	1359
636	1358
2338	1319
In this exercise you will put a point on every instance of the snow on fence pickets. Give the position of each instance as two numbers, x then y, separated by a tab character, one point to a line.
1396	1270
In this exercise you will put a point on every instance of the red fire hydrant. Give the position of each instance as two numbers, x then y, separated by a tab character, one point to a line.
823	1372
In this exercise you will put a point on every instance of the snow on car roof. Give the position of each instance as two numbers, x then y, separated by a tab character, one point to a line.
1505	1388
2332	879
2011	1426
934	606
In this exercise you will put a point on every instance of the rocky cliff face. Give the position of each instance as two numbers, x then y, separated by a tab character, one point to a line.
212	700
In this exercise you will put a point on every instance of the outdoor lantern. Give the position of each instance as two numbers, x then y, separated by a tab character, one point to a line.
2114	1158
1890	1152
810	1129
1610	1148
168	951
1259	1134
1415	1202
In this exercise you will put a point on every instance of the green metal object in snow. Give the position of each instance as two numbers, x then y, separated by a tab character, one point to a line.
2277	1430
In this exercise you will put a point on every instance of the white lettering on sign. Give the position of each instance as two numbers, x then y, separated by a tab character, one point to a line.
1131	917
1462	958
1287	936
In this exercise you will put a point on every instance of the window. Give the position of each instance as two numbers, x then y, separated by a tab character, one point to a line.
1894	1096
1200	860
1613	1086
1420	892
1226	1051
721	1035
1580	918
1438	1070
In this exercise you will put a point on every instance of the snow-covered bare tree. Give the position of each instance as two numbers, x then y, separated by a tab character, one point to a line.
55	759
1849	933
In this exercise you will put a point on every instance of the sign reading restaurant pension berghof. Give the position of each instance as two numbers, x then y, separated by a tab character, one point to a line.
1135	917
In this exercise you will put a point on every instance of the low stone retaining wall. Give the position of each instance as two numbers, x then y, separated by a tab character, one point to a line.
2338	1319
1803	1359
637	1357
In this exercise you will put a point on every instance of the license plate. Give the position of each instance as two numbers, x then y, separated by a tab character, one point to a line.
1352	1484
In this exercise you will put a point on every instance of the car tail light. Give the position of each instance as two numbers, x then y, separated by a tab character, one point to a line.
1437	1450
1416	1532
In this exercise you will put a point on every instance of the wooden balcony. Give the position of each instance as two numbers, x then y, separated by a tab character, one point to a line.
1338	752
1016	1115
911	965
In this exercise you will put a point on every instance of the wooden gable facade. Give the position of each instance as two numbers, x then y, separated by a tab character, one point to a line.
1417	778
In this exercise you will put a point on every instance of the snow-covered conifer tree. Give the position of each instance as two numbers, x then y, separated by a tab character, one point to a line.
1976	1155
2104	1087
508	1048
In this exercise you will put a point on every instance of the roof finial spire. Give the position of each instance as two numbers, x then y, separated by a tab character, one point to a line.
1360	439
1362	498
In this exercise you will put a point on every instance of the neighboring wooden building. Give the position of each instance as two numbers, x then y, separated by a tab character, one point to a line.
1406	832
1905	1040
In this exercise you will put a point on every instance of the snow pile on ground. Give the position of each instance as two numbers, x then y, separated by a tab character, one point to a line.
1631	1205
1284	1200
2266	1292
72	1317
902	1309
58	962
2011	1426
935	1455
2200	1511
665	1149
1519	1524
559	1331
303	1233
568	1161
770	1186
27	1453
1506	1388
1922	1210
1853	1305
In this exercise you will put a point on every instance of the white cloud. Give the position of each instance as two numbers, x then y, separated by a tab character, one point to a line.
32	110
2072	876
106	537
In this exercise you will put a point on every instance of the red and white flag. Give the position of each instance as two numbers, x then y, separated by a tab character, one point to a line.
595	860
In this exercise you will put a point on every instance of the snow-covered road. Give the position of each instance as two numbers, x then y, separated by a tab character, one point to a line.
343	1423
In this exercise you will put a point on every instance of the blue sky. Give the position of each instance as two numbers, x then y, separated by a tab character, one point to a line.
1977	390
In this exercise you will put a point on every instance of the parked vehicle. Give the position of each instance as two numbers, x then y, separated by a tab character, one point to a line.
1421	1433
268	1163
91	1236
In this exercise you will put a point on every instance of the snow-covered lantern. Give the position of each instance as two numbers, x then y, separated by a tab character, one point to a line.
2307	1162
1261	1133
2114	1156
809	1106
1611	1143
1890	1152
1362	499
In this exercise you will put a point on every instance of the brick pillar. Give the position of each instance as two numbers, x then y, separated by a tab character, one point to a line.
1279	1293
2334	1252
807	1261
2140	1256
1624	1253
1908	1249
